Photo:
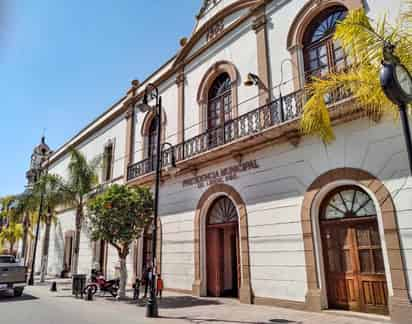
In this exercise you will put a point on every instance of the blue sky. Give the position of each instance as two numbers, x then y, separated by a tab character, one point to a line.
62	63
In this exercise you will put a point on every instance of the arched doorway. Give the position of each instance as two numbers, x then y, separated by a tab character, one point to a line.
352	252
222	246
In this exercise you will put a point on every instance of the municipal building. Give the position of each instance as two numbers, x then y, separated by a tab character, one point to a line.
257	211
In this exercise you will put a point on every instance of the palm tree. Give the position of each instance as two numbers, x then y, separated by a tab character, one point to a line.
12	234
9	222
5	210
363	41
26	208
51	187
81	181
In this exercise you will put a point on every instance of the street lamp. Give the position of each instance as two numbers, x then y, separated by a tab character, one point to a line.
40	155
152	92
396	82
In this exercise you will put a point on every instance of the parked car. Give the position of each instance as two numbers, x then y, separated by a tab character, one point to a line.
12	275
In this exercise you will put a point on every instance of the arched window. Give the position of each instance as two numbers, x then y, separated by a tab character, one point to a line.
348	202
223	211
152	139
219	102
323	54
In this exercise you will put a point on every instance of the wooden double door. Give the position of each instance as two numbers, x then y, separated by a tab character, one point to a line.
355	273
223	264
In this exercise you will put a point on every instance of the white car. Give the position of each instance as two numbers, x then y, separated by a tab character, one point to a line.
12	275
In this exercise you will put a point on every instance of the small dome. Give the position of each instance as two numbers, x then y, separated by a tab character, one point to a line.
42	148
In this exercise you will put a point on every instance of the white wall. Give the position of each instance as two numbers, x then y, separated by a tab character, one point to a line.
94	147
274	194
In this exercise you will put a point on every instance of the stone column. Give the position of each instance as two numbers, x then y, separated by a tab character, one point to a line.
129	150
260	28
130	128
180	81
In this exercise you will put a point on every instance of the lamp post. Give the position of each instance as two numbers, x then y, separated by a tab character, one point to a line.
152	92
40	155
396	82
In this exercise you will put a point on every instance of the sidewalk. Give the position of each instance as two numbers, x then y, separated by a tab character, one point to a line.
180	308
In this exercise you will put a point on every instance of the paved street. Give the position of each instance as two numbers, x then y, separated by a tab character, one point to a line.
40	306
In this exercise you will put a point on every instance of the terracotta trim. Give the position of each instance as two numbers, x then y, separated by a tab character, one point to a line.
180	81
245	291
260	27
203	91
391	236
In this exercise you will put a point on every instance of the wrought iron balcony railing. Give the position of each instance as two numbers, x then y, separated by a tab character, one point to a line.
278	111
281	110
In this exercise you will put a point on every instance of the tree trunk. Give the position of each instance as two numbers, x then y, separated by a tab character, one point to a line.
45	251
26	226
123	277
79	218
11	244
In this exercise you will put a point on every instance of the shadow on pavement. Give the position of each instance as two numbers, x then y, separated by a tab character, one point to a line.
10	299
211	320
165	302
184	302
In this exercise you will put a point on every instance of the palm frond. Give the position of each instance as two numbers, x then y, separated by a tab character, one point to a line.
362	40
82	174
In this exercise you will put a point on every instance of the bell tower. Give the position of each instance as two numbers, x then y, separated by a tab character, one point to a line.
40	155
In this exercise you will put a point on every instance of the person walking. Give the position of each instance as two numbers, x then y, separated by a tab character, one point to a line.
159	286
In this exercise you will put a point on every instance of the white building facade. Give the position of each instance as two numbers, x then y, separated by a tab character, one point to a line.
259	211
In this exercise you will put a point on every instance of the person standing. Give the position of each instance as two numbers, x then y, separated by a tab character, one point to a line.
136	292
159	286
147	275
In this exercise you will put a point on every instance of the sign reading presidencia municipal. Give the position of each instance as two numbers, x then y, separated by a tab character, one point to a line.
222	175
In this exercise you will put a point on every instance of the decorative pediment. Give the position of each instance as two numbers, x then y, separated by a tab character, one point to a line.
208	31
207	5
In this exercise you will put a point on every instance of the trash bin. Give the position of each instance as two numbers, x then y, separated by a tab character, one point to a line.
78	285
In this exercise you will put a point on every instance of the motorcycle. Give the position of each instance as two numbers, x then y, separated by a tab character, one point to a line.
99	283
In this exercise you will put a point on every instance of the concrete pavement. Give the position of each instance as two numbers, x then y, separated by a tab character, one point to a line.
40	306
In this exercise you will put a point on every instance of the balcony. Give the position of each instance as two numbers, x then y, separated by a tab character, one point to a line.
278	119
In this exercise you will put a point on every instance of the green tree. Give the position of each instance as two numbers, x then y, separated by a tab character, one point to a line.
363	41
118	216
